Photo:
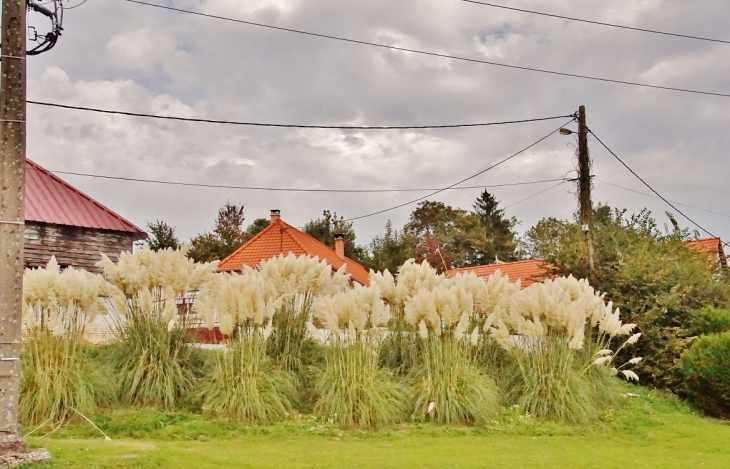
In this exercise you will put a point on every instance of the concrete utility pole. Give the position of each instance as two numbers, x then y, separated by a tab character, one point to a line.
12	178
584	189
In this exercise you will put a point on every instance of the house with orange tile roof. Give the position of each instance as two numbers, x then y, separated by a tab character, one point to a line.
528	272
282	238
713	248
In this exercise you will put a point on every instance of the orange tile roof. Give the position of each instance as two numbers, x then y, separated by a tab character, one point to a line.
713	248
529	272
709	245
281	238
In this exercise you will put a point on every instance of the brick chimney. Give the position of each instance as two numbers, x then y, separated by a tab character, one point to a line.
275	215
340	245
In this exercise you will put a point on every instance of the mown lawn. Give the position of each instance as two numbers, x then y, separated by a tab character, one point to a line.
650	431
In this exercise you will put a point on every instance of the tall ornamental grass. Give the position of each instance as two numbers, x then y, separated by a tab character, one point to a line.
56	378
294	282
447	385
244	386
352	390
152	338
560	337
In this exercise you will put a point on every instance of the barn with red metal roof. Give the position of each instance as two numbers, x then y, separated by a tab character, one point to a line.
62	221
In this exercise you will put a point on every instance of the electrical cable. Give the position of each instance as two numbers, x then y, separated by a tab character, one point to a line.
535	195
282	189
652	189
433	54
600	23
463	180
655	197
75	6
295	126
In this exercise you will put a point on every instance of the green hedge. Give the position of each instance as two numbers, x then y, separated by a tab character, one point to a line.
710	320
706	367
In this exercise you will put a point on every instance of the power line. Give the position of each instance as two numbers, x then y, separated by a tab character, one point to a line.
295	126
652	189
75	6
655	197
433	54
600	23
282	189
535	195
463	180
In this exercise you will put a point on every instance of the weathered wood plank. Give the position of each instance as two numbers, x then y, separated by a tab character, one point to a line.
72	246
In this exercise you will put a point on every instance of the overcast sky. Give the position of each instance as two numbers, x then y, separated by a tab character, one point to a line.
123	56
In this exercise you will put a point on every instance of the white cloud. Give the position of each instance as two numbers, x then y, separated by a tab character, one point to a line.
154	61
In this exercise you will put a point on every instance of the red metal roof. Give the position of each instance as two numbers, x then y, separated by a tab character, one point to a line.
529	272
48	199
281	238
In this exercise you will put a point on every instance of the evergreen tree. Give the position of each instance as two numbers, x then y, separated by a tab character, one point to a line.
500	237
162	236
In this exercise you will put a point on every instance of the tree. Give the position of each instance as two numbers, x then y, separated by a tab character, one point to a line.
445	237
162	236
255	228
324	229
500	237
227	235
390	250
651	275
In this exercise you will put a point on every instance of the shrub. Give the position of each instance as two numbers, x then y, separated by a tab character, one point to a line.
706	367
154	356
710	320
648	272
56	378
352	390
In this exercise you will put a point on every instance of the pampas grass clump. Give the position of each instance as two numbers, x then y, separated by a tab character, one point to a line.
244	385
447	385
151	336
56	379
352	390
559	335
294	282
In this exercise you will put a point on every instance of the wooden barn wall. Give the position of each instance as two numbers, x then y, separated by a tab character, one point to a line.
72	246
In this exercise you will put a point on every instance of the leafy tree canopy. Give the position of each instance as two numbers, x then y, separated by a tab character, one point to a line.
227	235
389	251
255	228
324	229
649	273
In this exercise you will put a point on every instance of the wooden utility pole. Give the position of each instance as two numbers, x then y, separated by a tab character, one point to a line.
584	189
12	178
